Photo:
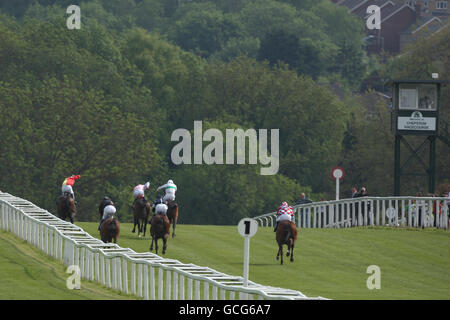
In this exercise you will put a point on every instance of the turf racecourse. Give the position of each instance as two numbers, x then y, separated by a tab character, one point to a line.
415	264
332	263
29	274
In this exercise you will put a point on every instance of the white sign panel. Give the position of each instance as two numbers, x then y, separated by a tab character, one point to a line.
247	227
416	122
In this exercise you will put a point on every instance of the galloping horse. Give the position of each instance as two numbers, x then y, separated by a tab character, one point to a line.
172	215
160	229
141	215
66	207
286	234
110	230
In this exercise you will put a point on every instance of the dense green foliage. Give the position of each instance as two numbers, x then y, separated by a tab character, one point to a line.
103	101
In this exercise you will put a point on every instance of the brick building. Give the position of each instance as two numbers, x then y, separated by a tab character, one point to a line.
402	22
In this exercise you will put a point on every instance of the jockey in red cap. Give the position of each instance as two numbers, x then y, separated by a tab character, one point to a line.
68	184
284	212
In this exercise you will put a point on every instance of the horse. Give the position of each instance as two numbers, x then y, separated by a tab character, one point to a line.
172	215
110	230
66	207
141	214
160	229
286	234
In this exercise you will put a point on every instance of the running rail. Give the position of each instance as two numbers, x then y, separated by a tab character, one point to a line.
146	274
369	211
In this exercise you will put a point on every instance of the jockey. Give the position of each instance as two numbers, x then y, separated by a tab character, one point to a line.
68	184
139	192
159	207
108	212
105	202
170	191
284	212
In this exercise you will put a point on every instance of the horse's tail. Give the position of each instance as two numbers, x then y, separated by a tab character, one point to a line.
287	233
112	227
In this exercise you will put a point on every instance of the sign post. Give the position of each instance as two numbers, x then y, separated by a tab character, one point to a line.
338	174
247	228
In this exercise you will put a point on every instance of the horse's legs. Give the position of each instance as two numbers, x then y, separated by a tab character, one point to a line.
139	227
174	224
156	245
145	226
151	246
164	245
281	254
134	228
292	252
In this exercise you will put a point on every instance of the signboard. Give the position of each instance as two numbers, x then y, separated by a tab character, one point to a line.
337	173
416	122
247	227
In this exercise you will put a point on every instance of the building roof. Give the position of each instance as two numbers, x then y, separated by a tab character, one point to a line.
352	4
391	11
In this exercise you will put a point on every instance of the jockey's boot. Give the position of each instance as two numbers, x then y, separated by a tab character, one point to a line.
134	204
100	225
276	227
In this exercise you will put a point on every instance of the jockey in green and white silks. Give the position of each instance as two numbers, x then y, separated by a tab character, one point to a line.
171	188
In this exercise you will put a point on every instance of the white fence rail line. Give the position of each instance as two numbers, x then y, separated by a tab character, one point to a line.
146	275
369	211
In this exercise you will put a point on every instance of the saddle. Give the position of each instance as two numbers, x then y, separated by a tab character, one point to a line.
171	204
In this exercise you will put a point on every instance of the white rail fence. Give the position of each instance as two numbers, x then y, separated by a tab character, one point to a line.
146	275
369	211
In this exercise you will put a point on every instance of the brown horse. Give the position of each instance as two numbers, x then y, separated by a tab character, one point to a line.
286	234
66	207
172	215
110	230
141	214
160	229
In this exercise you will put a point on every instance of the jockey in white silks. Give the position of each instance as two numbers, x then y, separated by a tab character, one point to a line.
108	212
139	192
160	206
284	213
171	188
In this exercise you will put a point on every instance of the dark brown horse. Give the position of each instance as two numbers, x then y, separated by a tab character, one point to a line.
141	214
172	215
286	234
110	230
66	207
160	229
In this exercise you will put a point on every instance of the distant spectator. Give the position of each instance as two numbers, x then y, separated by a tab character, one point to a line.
419	205
303	199
354	192
361	193
322	213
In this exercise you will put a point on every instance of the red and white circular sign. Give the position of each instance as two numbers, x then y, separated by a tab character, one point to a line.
337	173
